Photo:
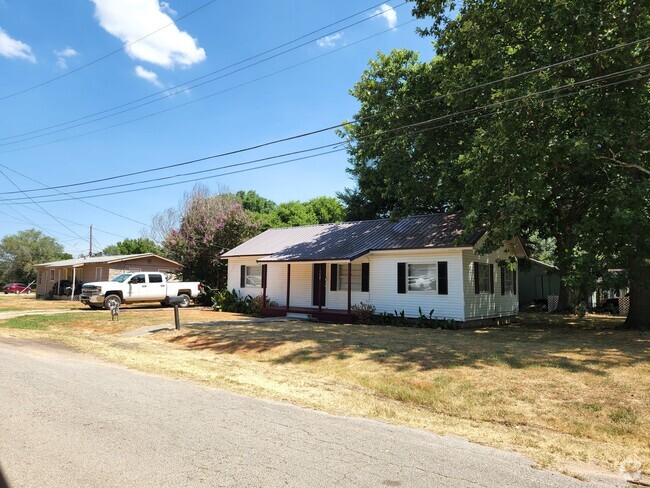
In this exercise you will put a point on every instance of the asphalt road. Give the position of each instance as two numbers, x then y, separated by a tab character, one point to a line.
68	420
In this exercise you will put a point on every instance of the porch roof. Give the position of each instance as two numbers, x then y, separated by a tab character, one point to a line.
350	240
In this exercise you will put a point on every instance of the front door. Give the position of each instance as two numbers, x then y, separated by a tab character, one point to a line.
318	284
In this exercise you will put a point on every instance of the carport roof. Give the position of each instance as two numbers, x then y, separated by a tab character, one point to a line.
350	240
78	262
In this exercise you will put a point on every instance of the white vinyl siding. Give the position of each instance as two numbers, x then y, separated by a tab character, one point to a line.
383	284
486	305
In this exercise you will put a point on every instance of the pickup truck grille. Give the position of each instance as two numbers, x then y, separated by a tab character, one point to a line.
89	291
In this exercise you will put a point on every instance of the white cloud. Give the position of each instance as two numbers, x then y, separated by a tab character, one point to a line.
329	41
131	20
13	48
150	76
388	13
164	6
62	57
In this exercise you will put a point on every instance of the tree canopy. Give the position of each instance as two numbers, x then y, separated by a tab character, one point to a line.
561	152
21	251
140	245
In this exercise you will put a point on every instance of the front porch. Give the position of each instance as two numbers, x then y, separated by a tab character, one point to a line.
322	314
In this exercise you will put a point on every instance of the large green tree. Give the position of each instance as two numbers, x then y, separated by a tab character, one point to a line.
547	152
21	251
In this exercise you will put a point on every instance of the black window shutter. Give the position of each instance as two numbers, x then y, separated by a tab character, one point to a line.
477	286
334	277
503	280
492	279
264	276
242	277
401	277
514	282
443	286
365	276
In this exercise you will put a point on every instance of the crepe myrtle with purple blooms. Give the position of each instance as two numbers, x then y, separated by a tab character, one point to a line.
208	226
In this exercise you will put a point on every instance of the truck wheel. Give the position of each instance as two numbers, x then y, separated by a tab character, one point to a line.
112	300
186	300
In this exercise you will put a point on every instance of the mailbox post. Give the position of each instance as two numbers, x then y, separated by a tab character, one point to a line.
176	301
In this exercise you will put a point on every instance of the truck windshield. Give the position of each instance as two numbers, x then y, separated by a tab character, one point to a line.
121	278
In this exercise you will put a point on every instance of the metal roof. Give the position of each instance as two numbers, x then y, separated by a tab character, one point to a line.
78	262
349	240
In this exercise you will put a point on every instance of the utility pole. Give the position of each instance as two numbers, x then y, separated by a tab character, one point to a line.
90	253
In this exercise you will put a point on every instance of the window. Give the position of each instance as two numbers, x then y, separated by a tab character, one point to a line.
343	277
508	281
155	278
51	275
253	277
422	277
360	277
483	278
137	279
98	274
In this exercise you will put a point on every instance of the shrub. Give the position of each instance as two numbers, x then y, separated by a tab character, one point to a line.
363	313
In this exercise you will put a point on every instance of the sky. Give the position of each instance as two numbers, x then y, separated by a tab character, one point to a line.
96	89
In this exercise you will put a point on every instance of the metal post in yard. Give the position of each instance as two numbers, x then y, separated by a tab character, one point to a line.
177	319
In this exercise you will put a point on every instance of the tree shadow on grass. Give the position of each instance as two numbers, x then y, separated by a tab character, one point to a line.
589	348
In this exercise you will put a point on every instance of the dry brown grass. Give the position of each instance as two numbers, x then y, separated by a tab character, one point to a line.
555	389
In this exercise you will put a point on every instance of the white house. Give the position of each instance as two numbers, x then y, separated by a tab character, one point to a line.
416	263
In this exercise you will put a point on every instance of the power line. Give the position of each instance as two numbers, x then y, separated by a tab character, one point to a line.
336	126
417	124
196	100
39	206
173	90
101	58
552	99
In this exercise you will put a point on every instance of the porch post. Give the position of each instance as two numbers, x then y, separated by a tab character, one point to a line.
349	286
320	287
288	283
58	284
74	282
264	271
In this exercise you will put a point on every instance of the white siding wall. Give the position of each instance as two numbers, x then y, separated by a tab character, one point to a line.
276	280
487	305
383	284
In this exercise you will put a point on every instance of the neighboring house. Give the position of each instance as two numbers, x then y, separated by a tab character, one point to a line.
416	263
100	268
537	280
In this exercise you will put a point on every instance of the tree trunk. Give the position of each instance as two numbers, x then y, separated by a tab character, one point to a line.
562	261
638	316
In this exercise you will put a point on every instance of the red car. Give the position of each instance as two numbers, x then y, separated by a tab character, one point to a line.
16	288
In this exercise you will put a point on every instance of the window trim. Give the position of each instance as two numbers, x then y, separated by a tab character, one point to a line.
98	271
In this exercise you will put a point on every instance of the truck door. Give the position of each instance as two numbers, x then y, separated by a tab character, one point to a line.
157	289
137	287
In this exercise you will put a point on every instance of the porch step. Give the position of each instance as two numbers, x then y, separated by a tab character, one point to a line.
300	316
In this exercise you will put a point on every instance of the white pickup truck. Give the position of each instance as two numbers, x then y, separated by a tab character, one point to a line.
137	287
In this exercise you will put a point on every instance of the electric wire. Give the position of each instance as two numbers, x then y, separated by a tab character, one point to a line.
174	90
552	99
341	125
416	124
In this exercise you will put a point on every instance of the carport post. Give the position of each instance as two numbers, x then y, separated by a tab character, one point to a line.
58	284
74	282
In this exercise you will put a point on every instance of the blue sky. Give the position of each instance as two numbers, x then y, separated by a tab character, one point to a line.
40	41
